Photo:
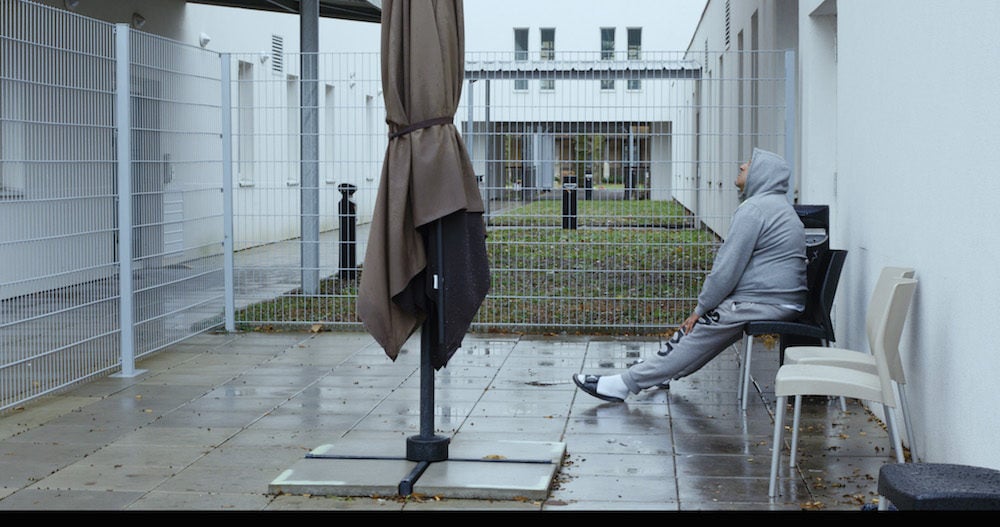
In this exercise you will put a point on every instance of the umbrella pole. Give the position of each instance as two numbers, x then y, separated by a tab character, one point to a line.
427	447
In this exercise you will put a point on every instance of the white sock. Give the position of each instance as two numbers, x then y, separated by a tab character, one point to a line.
612	385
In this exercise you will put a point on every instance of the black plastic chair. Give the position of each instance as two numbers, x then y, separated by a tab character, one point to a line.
814	327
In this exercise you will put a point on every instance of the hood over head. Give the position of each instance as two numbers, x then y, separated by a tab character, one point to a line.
769	173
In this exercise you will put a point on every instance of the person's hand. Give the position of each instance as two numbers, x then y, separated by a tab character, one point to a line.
689	322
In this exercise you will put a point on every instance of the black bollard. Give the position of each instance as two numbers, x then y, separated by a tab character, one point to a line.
348	232
569	202
630	183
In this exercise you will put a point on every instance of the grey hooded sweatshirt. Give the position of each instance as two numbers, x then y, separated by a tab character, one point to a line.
763	258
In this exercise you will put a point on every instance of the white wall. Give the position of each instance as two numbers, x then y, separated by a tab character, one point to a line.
817	104
666	24
162	17
722	141
245	30
917	148
897	133
267	202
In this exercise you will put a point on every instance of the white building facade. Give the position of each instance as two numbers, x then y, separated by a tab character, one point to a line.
896	133
899	137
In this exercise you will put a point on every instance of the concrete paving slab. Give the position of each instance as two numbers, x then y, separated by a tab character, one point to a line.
497	470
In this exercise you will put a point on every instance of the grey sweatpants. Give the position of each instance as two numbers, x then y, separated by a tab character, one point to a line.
715	331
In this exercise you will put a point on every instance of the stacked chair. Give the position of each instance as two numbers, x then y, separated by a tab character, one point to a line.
830	379
860	360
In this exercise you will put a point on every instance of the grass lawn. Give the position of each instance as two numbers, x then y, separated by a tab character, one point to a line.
630	267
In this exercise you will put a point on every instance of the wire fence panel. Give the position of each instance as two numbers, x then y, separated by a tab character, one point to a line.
60	235
58	280
270	262
609	181
177	208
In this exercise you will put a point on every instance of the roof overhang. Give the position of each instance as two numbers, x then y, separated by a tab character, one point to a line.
359	10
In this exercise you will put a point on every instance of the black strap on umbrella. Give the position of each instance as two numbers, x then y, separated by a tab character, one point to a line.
421	125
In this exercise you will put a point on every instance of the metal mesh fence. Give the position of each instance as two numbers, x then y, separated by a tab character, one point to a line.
61	198
271	263
177	207
579	156
607	182
57	210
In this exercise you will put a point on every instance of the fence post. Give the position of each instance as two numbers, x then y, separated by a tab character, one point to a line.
228	274
123	152
309	146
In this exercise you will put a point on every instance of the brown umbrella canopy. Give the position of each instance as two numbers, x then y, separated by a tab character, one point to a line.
428	199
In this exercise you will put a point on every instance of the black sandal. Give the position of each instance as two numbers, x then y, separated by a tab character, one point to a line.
589	385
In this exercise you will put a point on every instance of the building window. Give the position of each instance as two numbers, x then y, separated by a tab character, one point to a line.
521	54
607	53
634	53
548	52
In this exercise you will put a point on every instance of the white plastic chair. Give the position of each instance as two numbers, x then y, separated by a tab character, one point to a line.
797	380
863	361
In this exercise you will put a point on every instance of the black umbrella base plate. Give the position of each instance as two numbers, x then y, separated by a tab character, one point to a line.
495	470
432	448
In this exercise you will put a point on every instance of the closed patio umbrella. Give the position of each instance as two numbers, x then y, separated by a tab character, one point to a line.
426	260
426	263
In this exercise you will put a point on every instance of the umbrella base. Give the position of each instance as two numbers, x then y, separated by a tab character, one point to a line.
475	469
427	448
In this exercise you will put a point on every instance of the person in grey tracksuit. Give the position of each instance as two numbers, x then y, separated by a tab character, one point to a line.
759	273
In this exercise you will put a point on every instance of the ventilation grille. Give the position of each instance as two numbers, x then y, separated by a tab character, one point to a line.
277	53
727	25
